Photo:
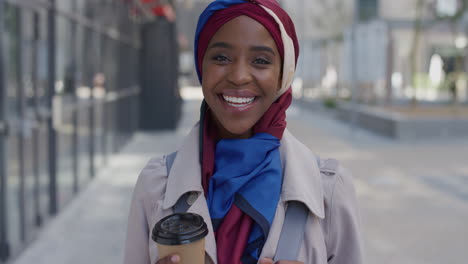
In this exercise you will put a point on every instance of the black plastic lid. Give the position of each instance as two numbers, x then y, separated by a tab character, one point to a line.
179	229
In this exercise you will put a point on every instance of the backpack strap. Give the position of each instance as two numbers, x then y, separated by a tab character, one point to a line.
182	205
169	161
292	232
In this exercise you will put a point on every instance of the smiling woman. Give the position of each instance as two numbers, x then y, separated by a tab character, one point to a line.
241	77
240	166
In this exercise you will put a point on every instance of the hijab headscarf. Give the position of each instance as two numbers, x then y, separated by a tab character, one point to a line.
242	178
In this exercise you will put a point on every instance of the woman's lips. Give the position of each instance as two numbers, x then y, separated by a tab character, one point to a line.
238	103
238	93
238	100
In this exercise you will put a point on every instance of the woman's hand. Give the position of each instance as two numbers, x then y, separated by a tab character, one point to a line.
270	261
171	259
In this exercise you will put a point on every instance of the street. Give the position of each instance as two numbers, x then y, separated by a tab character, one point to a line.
413	196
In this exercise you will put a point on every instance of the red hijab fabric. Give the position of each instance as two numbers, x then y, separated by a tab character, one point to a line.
225	15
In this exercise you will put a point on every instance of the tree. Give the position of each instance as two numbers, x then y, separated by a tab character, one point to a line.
454	20
420	4
332	17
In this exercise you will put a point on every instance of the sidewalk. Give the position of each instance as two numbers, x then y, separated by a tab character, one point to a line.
413	196
91	229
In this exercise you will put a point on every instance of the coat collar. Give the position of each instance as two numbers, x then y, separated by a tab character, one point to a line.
302	180
185	176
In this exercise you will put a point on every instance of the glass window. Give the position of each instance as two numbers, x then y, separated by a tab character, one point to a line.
28	141
65	100
11	52
446	7
367	9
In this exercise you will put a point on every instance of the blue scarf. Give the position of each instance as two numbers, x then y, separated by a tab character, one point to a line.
254	187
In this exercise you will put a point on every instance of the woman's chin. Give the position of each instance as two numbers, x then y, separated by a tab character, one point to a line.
229	128
238	133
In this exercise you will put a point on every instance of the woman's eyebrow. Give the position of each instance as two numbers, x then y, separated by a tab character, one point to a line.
263	48
220	45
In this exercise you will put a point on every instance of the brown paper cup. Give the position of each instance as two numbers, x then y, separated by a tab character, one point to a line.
182	234
193	253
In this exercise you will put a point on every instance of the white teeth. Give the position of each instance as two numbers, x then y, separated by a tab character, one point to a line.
238	100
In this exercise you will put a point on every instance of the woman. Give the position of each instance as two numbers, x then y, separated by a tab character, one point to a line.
240	165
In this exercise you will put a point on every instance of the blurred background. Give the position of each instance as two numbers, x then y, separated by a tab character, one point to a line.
91	89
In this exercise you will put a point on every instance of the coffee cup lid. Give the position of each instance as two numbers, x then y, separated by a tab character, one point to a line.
179	229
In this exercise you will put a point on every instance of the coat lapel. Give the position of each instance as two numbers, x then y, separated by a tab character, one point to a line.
200	207
185	176
302	182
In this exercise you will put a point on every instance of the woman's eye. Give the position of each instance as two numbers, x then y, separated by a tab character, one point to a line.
261	61
220	58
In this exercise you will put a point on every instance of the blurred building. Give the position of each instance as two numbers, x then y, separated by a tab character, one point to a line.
388	64
70	88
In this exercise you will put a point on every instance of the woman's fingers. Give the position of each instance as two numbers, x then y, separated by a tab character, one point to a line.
172	259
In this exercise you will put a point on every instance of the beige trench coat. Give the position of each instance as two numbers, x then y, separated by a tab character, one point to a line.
332	231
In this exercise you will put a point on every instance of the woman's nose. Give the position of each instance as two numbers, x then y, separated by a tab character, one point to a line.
239	73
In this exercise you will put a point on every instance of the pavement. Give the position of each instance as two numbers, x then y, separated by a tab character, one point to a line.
413	196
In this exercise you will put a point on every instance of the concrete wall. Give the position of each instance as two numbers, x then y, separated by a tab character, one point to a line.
398	127
401	10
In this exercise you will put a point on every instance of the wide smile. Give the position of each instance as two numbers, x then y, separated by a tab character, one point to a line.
237	103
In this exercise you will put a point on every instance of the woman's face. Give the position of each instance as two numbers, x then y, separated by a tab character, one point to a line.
241	75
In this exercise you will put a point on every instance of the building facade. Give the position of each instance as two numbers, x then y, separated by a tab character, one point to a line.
68	100
380	34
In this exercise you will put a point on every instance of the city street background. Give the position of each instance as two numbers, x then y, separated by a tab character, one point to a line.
90	90
413	196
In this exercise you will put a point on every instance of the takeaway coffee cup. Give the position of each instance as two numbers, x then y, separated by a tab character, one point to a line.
183	234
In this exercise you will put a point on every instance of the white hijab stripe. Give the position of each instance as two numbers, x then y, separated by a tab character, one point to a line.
289	63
